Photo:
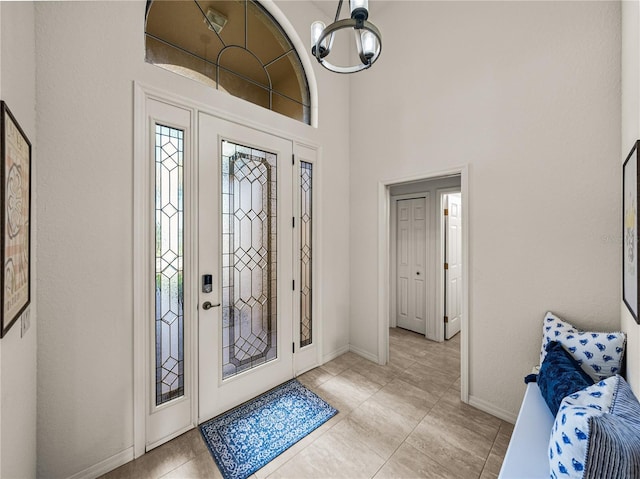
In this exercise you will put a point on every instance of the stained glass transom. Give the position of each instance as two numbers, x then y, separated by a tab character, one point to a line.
306	325
235	46
249	314
169	218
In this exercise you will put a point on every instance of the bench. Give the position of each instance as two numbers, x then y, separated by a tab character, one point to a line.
527	456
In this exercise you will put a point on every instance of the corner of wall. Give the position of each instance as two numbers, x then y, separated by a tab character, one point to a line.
630	133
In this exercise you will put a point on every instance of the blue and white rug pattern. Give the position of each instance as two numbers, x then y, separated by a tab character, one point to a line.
246	438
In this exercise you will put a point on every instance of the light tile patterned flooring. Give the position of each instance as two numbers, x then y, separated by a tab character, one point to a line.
402	420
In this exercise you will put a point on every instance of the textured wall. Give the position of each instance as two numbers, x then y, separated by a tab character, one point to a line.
18	354
527	94
88	56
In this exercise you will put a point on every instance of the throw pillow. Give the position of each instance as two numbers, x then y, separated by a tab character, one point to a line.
596	433
599	354
559	376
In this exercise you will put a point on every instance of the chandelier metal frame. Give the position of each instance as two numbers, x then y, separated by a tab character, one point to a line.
368	54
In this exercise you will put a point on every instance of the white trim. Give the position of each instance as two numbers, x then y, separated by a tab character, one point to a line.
140	255
105	466
363	353
466	293
318	255
332	355
384	196
384	199
171	436
491	409
199	106
191	232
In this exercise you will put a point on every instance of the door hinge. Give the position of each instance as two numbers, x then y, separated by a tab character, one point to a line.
446	319
446	212
293	284
293	222
293	347
293	158
446	266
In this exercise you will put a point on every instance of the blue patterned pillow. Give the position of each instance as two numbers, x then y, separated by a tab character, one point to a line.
596	433
599	354
559	376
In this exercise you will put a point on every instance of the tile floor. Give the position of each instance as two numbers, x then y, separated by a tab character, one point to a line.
403	420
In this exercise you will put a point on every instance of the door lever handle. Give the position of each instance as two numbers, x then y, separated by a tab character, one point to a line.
207	305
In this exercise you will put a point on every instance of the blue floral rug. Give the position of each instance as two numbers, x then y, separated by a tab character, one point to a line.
246	438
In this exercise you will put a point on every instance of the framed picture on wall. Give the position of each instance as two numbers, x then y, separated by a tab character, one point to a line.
630	231
15	219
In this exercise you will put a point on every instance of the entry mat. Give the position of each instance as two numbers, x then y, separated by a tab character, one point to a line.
246	438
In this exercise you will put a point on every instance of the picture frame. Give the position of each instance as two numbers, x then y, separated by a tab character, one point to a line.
15	219
630	181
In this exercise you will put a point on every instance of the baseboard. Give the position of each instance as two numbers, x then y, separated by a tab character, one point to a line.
491	409
105	466
363	353
334	354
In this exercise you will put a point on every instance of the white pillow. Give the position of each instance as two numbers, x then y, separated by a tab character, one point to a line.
599	354
596	433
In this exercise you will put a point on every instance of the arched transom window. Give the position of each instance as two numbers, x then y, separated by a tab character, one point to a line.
235	46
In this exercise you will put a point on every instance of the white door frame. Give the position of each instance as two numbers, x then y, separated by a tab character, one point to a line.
142	195
310	356
440	193
384	232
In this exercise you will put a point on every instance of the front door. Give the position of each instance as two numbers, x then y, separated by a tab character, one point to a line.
411	259
245	244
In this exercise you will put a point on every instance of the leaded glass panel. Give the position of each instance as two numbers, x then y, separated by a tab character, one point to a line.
306	176
250	56
169	224
249	259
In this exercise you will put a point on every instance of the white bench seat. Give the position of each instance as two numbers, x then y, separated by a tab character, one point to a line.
527	455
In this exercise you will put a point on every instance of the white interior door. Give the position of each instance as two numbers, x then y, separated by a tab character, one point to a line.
453	273
245	245
411	248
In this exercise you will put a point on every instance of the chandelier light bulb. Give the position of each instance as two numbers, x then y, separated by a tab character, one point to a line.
316	31
359	9
369	44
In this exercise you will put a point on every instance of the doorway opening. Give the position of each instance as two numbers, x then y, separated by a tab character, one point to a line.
423	254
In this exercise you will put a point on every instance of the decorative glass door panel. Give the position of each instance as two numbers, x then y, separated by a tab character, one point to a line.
246	245
249	258
169	219
306	325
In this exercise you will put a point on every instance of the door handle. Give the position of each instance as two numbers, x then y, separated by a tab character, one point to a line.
207	305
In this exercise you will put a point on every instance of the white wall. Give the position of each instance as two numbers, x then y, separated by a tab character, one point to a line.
88	55
528	95
18	354
630	134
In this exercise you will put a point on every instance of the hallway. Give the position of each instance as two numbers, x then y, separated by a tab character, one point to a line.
402	420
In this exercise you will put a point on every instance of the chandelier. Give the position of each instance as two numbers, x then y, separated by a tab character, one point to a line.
368	37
